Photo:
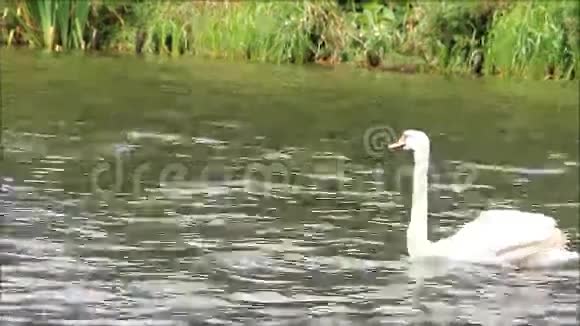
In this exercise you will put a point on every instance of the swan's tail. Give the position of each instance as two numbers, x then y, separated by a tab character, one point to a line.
552	251
554	257
557	240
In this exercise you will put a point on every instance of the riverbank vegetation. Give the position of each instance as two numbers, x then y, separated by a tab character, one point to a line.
524	39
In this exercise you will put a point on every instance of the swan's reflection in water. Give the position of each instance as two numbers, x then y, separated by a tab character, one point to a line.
447	292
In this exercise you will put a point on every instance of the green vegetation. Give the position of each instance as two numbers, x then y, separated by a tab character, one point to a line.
529	39
536	39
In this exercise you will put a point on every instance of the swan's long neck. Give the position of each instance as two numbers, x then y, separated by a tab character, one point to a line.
417	241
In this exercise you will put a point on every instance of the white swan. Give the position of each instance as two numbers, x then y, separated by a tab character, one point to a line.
507	237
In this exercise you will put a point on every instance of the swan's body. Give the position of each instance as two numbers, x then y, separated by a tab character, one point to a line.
496	237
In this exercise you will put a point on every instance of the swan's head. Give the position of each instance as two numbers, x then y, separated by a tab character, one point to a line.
414	140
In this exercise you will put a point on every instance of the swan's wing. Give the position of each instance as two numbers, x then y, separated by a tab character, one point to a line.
506	234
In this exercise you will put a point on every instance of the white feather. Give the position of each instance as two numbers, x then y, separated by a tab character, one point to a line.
495	231
499	236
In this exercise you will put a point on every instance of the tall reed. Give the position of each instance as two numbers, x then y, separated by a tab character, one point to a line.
535	39
52	23
59	24
261	31
529	39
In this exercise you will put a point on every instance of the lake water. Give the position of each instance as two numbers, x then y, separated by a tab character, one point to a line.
153	192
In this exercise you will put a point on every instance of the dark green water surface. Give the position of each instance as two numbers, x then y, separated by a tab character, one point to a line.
196	193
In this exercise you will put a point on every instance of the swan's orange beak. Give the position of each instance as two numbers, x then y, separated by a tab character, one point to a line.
400	143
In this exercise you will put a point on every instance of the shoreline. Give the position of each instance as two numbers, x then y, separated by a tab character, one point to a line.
517	41
401	68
